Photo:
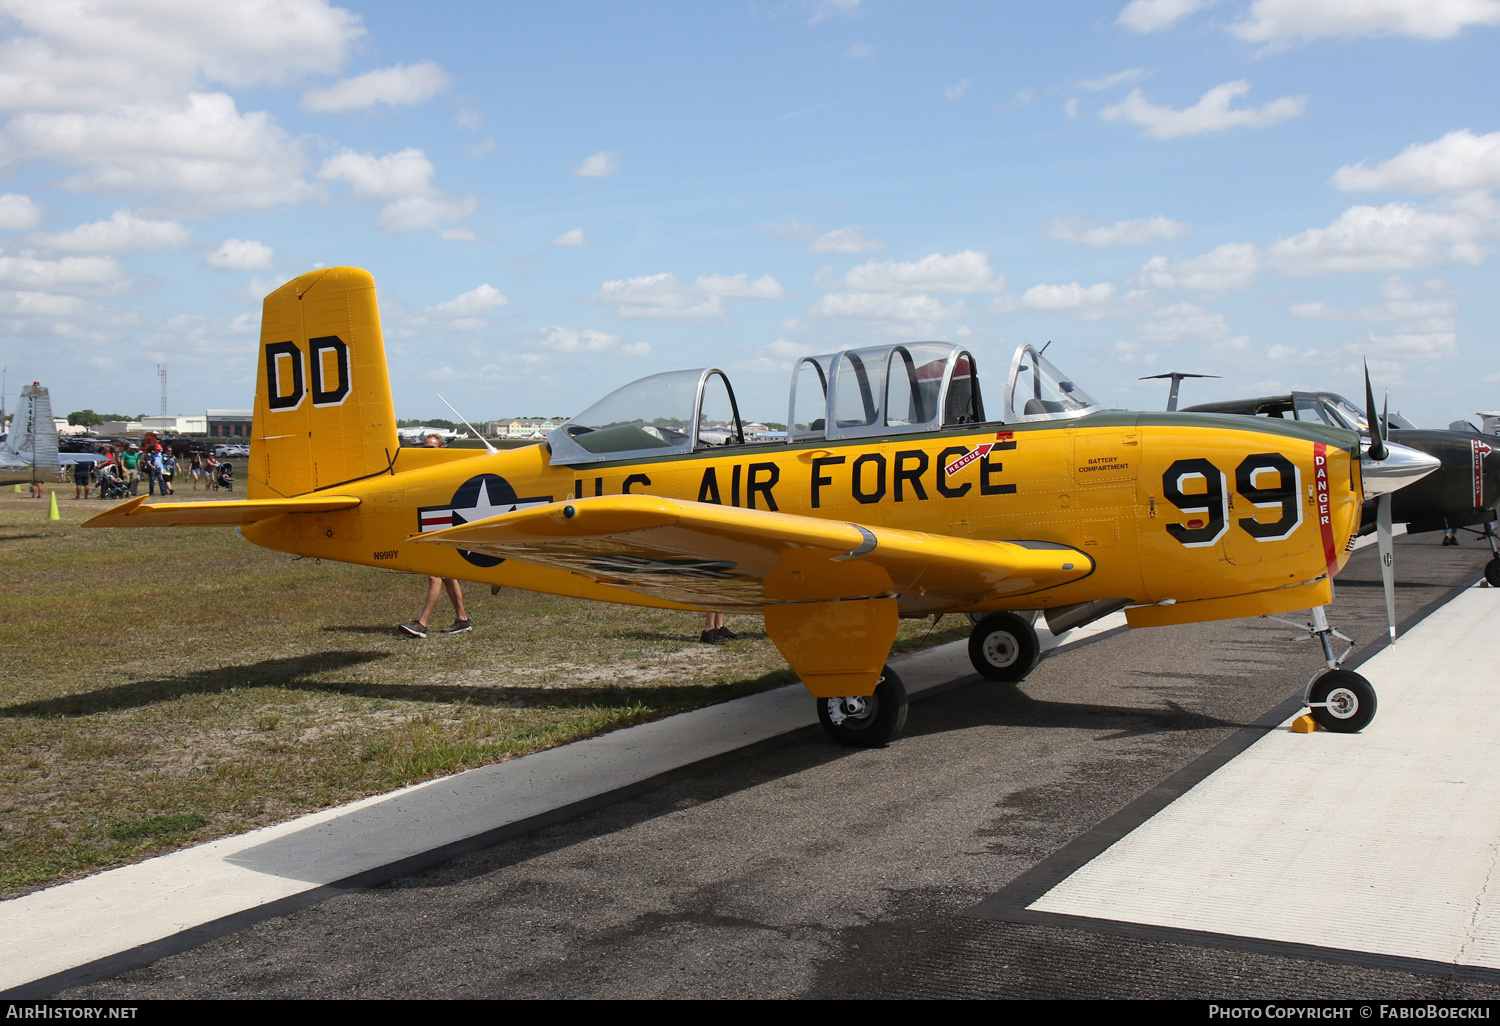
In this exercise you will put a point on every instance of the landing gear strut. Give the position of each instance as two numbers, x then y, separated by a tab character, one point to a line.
1339	700
1004	646
867	721
1492	568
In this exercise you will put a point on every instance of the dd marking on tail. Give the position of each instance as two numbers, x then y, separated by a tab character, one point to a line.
327	373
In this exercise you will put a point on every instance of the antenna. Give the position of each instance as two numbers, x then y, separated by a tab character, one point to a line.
161	372
488	448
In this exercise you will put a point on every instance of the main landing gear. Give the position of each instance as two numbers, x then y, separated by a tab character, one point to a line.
1004	646
1339	700
869	721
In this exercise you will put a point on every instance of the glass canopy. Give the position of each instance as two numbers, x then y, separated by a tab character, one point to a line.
876	391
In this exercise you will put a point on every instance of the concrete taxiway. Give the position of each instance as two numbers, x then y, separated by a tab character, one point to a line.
1031	841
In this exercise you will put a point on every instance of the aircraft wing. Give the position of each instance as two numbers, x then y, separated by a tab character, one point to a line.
724	557
213	514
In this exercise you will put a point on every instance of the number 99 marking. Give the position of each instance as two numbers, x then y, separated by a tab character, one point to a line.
1253	479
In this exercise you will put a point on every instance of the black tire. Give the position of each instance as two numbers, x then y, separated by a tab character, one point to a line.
1003	646
1492	572
1352	698
866	722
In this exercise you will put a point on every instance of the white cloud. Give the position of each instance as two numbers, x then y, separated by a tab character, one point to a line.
1071	109
71	56
844	240
1229	266
860	52
123	231
1125	77
463	311
965	271
1154	15
1121	233
1061	297
397	86
1457	162
570	238
600	165
203	152
740	286
1395	237
570	340
1212	112
778	357
823	9
404	180
663	295
476	300
884	306
1184	322
67	274
17	212
1399	302
954	92
1287	21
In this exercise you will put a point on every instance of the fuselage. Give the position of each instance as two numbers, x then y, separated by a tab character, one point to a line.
1171	508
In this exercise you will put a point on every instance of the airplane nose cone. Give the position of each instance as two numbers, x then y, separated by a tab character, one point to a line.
1401	467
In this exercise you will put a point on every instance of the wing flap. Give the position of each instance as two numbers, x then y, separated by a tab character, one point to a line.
717	556
214	514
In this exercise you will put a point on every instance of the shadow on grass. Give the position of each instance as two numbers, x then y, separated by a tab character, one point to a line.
656	697
292	673
288	672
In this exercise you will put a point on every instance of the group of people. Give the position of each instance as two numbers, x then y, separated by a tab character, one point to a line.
121	471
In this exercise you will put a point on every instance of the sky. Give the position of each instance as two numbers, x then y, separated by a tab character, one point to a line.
558	198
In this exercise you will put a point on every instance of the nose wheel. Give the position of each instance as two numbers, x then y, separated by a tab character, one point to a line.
1003	646
866	721
1338	700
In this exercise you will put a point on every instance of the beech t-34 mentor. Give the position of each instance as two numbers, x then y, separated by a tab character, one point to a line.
895	494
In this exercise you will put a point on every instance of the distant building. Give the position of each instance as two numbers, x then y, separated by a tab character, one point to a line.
176	424
64	428
119	428
229	423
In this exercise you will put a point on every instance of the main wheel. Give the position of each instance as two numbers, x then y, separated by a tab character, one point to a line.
1492	572
1350	701
1003	646
870	721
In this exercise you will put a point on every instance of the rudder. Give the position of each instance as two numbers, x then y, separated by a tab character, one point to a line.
323	413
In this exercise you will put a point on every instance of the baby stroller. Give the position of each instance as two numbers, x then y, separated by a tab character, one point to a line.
111	484
225	476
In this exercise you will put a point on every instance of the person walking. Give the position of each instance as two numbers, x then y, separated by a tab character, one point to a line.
436	586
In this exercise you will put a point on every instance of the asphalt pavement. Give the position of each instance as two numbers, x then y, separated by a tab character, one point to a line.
796	868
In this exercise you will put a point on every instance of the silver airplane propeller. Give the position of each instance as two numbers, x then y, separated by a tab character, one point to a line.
1385	468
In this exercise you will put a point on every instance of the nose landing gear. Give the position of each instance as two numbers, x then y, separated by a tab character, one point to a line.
1339	700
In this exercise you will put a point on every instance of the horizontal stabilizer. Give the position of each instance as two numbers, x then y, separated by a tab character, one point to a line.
214	514
725	557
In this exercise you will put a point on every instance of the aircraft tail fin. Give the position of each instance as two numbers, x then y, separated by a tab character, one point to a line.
323	413
33	434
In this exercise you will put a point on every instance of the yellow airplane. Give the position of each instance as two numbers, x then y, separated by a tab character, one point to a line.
894	494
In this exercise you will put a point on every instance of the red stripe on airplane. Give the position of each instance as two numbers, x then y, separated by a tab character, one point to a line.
1325	507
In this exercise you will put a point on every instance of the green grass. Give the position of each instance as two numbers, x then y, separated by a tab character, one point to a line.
159	688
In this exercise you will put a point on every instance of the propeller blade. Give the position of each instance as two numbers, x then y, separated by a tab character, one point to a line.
1387	558
1377	443
1385	417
